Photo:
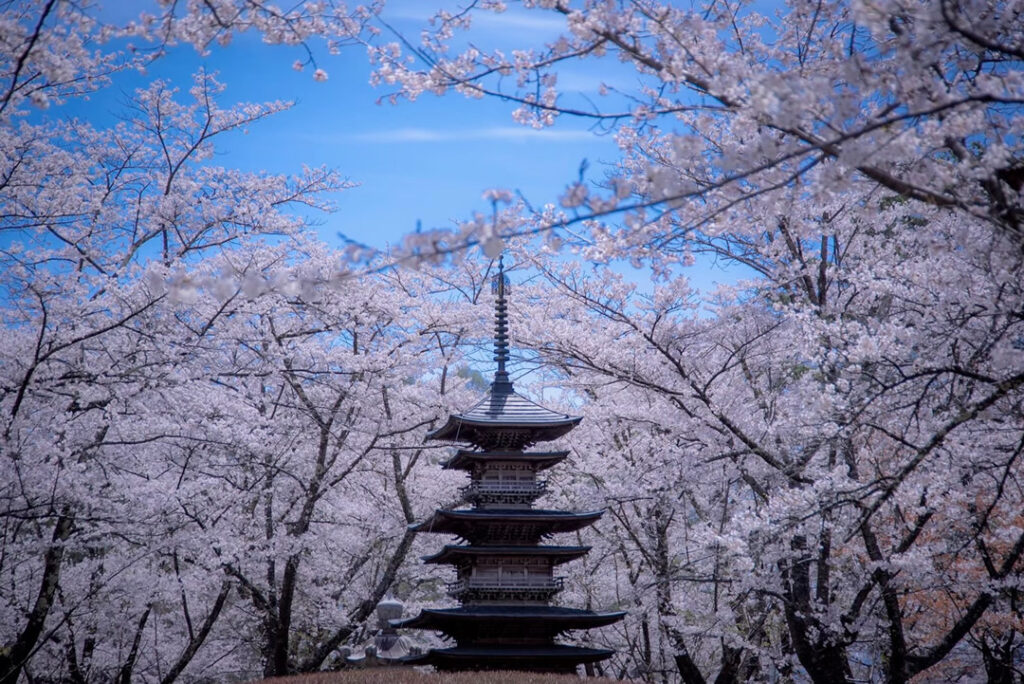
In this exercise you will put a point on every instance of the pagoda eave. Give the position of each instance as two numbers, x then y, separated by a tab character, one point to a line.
503	410
464	429
515	621
469	524
466	460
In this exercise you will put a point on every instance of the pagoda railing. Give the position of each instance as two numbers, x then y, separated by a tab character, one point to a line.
521	488
507	583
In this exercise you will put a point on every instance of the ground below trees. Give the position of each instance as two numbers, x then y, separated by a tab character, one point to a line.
408	676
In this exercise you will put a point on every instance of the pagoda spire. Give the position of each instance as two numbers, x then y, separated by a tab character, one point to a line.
499	286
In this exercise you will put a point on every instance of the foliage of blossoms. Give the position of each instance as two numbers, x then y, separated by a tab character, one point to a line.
211	430
821	478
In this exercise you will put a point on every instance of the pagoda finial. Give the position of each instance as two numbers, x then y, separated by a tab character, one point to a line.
499	286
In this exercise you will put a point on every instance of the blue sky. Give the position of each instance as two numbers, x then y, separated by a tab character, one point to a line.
428	160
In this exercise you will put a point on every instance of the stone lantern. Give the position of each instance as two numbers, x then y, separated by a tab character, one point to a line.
386	646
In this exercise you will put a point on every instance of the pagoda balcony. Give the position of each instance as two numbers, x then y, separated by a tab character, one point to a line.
506	587
503	492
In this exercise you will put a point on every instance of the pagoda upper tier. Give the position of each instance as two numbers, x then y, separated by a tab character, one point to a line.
505	419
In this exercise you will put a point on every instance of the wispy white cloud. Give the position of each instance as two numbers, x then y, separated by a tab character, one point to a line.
511	19
498	133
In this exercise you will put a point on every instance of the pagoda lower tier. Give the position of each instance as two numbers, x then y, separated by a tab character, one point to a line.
527	625
509	637
505	582
502	574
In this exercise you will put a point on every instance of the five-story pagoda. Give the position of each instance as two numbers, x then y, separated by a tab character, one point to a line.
505	575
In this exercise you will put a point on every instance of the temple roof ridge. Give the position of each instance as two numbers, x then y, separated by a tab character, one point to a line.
514	404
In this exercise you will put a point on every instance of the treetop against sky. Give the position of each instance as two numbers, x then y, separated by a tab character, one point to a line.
429	162
421	165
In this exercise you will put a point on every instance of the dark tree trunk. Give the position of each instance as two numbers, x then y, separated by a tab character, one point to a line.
732	660
125	675
998	659
688	669
284	617
14	656
822	656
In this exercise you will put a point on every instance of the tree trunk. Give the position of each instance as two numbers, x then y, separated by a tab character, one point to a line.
823	658
14	656
688	669
125	675
197	640
998	659
732	660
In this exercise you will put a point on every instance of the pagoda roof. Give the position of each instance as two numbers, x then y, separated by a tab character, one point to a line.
479	524
556	656
504	417
532	620
503	410
464	459
456	553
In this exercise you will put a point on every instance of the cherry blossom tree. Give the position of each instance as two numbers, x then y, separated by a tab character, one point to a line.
735	101
206	421
822	472
852	409
200	425
85	307
212	428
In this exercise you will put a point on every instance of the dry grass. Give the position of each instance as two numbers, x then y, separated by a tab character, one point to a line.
394	675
